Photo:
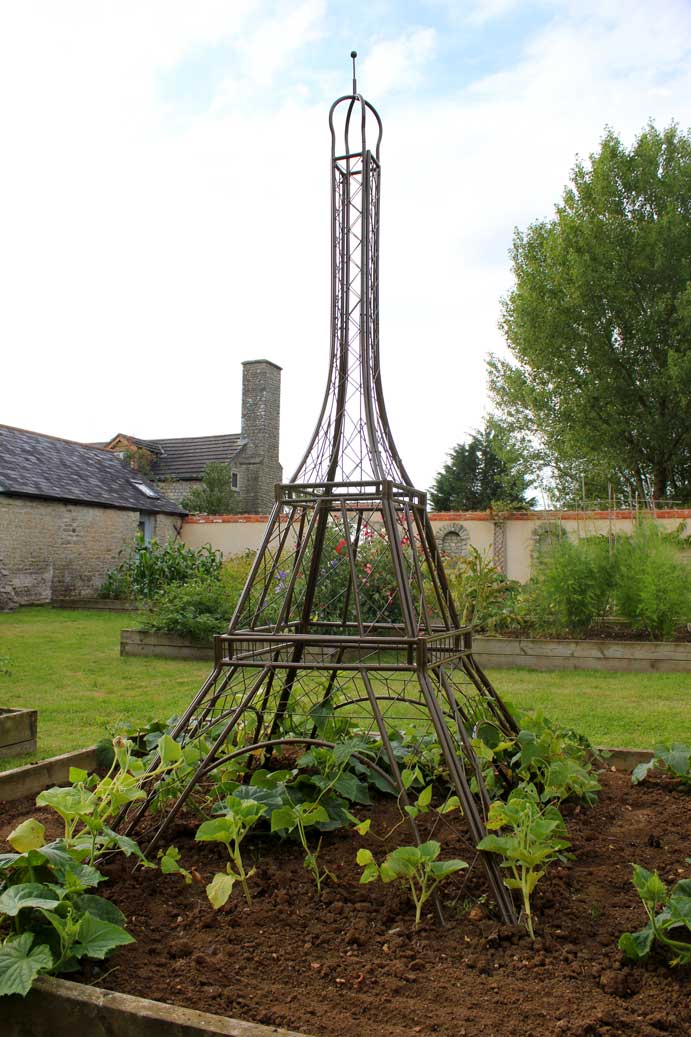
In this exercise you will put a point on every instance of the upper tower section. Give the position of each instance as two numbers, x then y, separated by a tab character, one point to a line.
352	442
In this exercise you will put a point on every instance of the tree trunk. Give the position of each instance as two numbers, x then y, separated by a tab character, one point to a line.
660	482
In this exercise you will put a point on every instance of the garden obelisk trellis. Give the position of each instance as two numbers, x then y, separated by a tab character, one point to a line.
347	611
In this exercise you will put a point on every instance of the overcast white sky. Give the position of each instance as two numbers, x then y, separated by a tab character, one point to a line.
164	194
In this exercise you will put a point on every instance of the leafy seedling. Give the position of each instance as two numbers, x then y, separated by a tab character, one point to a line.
532	839
669	918
673	759
416	866
230	829
298	818
169	863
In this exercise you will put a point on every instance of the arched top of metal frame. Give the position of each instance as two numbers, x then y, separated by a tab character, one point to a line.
341	144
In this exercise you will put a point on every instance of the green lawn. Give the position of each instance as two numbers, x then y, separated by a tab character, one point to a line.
67	665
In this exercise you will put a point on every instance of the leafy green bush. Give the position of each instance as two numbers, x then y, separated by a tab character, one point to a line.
151	567
641	578
652	588
198	609
553	759
484	596
203	606
571	585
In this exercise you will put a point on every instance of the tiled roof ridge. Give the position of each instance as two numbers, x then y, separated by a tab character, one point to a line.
186	439
58	439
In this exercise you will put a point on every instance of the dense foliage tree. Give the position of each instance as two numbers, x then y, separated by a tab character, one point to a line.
599	323
482	471
215	496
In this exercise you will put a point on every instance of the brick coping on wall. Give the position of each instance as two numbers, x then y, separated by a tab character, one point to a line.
546	516
207	519
483	516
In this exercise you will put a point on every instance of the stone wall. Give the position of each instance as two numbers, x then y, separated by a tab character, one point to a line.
54	549
509	541
177	489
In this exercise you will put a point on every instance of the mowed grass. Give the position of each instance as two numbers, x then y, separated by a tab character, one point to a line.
67	664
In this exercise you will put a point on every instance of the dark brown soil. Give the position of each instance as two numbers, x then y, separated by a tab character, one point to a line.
350	964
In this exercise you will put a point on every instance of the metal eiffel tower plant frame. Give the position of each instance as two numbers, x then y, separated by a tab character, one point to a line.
347	611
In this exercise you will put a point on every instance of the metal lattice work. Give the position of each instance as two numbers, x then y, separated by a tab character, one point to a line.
347	607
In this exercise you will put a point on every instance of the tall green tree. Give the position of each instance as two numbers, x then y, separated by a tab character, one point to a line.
480	472
215	496
599	322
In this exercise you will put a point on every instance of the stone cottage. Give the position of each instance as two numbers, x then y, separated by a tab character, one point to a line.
177	465
67	510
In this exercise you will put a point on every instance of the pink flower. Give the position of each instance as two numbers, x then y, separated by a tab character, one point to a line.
368	569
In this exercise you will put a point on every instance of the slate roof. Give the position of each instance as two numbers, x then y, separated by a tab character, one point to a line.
187	458
36	465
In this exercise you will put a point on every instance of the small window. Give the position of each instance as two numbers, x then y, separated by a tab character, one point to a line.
234	480
148	491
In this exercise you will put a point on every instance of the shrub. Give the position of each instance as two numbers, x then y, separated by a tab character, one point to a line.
151	567
571	586
198	609
203	606
484	597
652	584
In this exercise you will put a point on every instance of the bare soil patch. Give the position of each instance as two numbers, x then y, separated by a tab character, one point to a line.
350	964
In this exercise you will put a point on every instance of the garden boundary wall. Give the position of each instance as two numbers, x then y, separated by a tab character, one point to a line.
509	539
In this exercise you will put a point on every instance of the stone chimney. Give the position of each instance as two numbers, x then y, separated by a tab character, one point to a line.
260	469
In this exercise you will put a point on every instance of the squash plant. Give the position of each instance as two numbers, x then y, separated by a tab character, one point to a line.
89	802
673	759
49	918
531	837
415	866
230	828
554	759
669	918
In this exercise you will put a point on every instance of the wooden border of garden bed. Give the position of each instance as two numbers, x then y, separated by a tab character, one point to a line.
618	656
61	1008
490	652
162	645
17	731
33	777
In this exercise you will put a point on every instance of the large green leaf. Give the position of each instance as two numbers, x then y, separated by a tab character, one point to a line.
642	770
219	889
20	963
67	802
217	830
440	869
96	937
283	819
637	945
27	894
401	863
29	835
99	907
169	750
